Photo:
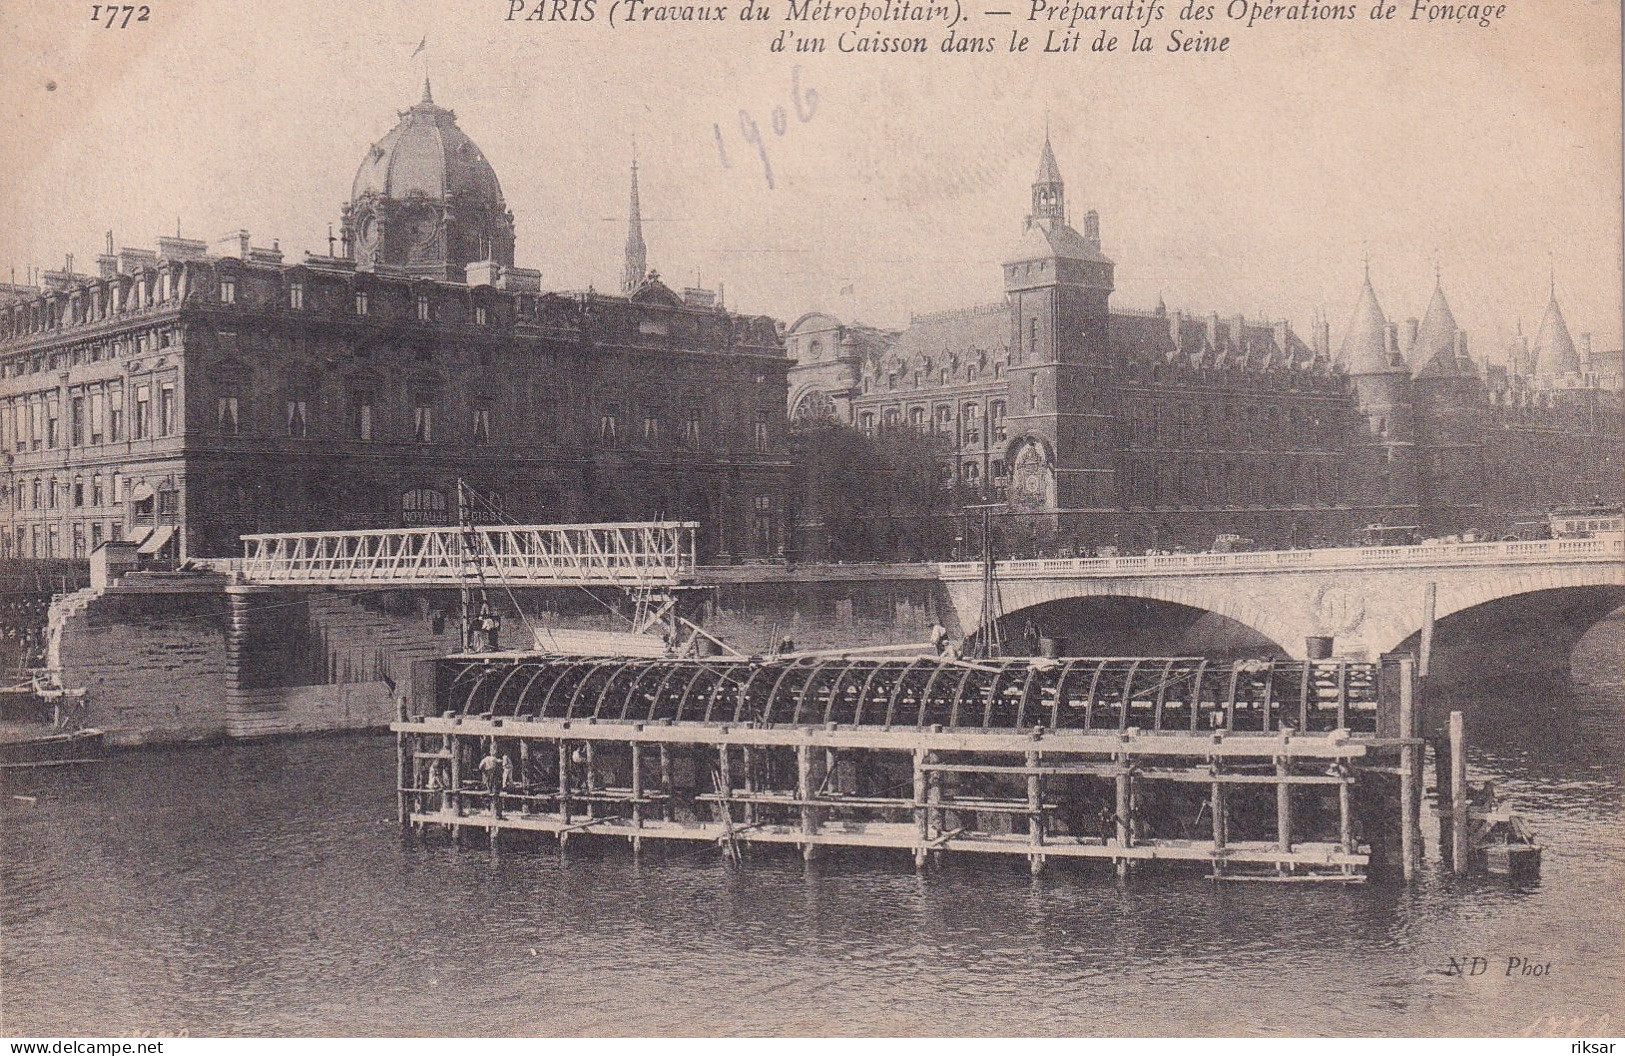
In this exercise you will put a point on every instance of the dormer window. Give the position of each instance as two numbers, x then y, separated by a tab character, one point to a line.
479	315
361	304
228	290
296	295
423	307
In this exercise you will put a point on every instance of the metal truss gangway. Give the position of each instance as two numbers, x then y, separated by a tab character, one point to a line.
636	555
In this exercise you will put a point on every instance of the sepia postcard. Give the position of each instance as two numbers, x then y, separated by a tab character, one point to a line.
811	518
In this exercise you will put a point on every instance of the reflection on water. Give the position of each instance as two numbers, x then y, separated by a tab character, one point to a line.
262	889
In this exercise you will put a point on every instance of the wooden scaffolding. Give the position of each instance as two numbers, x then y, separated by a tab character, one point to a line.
1279	770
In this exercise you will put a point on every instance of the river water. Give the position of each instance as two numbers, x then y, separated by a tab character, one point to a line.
263	889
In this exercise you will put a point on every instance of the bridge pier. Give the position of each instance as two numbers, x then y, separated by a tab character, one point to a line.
249	663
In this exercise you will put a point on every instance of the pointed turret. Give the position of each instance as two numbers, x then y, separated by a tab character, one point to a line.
1554	352
1434	352
428	96
1049	191
1365	344
637	254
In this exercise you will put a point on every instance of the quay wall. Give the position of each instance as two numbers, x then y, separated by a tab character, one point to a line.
152	664
177	661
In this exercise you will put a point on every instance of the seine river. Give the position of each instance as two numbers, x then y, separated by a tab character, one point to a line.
263	889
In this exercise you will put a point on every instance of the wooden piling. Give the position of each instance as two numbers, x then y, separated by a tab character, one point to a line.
1410	773
1345	809
1035	814
589	779
637	793
1123	796
1283	807
933	797
1216	806
564	784
665	781
456	787
1459	854
922	815
804	791
405	765
1430	607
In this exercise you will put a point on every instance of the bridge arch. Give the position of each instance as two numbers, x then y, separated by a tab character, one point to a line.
1272	629
1531	634
1574	593
1130	625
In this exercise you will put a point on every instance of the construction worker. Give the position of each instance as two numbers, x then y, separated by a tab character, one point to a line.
495	769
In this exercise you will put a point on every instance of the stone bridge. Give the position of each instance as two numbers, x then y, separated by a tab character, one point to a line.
1370	600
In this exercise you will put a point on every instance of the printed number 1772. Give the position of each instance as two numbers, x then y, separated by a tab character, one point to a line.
110	14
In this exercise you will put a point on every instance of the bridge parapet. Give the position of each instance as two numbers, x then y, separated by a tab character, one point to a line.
1602	548
649	554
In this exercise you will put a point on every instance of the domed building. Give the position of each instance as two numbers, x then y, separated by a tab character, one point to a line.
426	201
215	389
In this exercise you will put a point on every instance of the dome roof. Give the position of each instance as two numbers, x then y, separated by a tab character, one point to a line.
426	153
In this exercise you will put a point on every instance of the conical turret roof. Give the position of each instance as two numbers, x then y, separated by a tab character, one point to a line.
1554	351
1048	170
1365	344
1434	353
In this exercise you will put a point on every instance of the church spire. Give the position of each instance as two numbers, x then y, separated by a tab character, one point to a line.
637	254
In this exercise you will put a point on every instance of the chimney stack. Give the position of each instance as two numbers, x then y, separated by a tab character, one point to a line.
1091	229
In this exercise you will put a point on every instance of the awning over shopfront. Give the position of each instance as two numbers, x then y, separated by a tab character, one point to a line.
156	540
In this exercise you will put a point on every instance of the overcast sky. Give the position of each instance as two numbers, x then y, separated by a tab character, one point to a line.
1252	181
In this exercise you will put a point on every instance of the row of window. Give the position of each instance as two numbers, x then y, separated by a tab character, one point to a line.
652	430
1157	424
362	302
1229	484
944	376
96	415
138	344
942	423
105	300
46	540
95	492
101	301
363	419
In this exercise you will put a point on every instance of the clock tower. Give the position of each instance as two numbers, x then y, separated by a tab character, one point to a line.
1060	409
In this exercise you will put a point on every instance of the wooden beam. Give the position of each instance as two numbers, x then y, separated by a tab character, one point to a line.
1460	857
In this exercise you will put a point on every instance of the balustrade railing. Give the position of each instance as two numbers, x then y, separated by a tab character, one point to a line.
1599	548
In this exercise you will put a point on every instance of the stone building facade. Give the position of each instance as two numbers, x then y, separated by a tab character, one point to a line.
188	395
1157	429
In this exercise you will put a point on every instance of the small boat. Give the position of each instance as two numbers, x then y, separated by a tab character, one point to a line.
41	724
30	747
1503	843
